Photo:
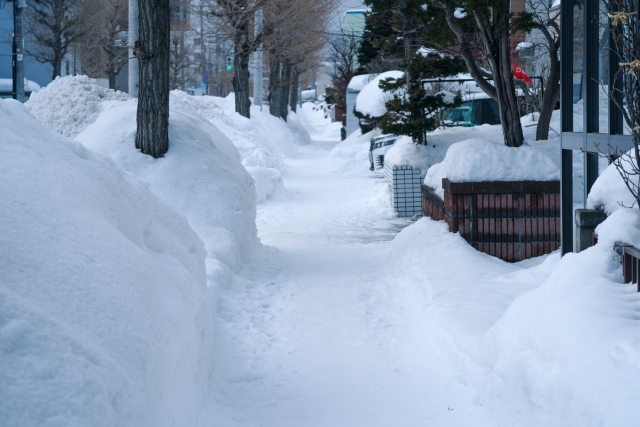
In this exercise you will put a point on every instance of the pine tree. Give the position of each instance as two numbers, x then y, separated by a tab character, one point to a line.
411	111
397	28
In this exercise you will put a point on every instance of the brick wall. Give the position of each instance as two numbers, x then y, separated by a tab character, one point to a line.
405	183
512	220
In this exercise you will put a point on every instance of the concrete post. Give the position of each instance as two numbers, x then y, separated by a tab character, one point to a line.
586	222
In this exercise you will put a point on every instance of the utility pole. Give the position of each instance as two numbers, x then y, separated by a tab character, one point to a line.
203	59
134	70
17	51
257	75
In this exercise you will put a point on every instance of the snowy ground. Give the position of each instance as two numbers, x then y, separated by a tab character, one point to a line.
345	315
315	330
338	320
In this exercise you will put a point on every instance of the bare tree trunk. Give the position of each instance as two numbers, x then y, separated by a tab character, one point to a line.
498	53
551	88
112	79
285	85
152	51
295	82
275	71
241	71
57	67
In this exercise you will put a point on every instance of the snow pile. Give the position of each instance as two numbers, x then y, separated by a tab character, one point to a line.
68	105
609	191
479	160
352	154
200	176
371	99
567	353
105	318
547	342
406	153
262	141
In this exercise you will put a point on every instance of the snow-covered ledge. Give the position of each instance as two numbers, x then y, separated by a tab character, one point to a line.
504	201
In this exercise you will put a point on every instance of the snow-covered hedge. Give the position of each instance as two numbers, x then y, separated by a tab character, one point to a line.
105	315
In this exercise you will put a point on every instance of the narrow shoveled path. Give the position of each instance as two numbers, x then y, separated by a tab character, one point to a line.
312	332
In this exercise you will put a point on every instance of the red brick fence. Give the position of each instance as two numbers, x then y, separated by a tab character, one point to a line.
511	220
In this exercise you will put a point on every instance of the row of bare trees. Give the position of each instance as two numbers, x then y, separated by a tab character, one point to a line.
292	36
93	30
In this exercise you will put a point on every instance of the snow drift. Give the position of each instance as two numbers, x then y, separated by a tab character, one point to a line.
105	317
200	176
263	141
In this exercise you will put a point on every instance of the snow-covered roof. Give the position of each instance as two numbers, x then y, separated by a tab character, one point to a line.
358	82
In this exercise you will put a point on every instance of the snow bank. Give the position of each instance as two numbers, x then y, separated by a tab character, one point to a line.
263	141
567	353
200	176
406	153
371	99
547	342
609	191
105	318
68	105
352	154
480	160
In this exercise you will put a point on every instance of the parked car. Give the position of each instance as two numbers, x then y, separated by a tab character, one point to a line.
378	148
474	112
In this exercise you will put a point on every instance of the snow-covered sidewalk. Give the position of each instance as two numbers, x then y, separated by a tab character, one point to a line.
314	331
349	316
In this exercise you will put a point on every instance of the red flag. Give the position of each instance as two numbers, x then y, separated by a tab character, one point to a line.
519	73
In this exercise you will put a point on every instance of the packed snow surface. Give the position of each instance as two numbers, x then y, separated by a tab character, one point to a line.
371	99
69	104
105	317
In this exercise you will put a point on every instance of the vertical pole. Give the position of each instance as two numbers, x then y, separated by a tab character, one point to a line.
566	125
134	70
257	76
592	90
18	51
203	57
